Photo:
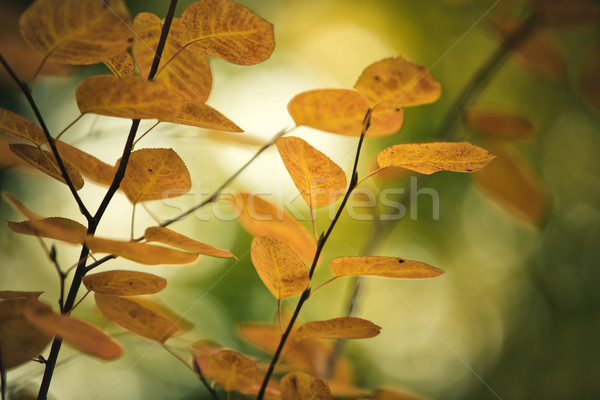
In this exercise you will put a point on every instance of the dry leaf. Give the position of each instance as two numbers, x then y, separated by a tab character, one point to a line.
387	267
140	252
88	165
202	116
15	294
232	370
301	386
57	228
338	328
567	13
19	207
124	283
121	65
172	238
14	125
498	123
591	80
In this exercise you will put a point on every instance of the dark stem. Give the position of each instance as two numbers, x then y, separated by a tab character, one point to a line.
203	380
3	382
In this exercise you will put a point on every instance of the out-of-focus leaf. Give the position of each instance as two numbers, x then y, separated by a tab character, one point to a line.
15	294
591	80
172	238
140	252
428	158
319	180
155	174
338	328
567	13
45	162
232	370
127	97
396	394
124	283
88	165
225	29
497	123
302	386
280	269
388	267
18	206
58	228
78	32
14	125
202	116
121	65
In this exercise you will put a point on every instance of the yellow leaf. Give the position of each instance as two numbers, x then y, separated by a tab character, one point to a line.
567	13
19	207
514	185
78	32
172	238
14	125
127	97
591	80
155	174
14	294
140	252
225	29
79	334
428	158
124	283
387	267
187	72
262	218
45	162
302	386
139	317
397	82
319	180
202	116
58	228
497	123
280	269
338	328
88	165
232	371
121	65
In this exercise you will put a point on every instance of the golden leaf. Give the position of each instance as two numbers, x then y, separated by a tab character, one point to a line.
140	252
302	386
232	370
15	294
280	269
121	65
88	165
338	328
14	125
78	32
497	123
58	228
225	29
387	267
124	283
428	158
172	238
19	207
202	116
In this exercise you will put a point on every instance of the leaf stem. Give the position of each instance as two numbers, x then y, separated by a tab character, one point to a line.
210	389
68	126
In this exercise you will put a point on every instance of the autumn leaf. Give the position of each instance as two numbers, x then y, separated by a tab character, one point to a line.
280	269
19	207
338	328
128	97
155	174
225	29
202	116
172	238
567	13
232	370
58	228
319	180
591	80
498	123
387	267
302	386
16	294
428	158
78	32
396	394
124	283
45	162
121	65
16	126
140	252
88	165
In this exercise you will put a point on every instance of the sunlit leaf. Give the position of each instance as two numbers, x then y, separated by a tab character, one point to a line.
319	180
77	32
232	370
262	218
514	185
88	165
18	206
388	267
15	294
45	162
338	328
139	317
58	228
140	252
155	174
428	158
202	116
397	82
124	283
567	13
127	97
497	123
172	238
280	269
14	125
591	80
121	64
302	386
79	334
225	29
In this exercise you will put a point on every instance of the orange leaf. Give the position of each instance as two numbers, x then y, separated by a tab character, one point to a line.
88	165
127	97
202	116
172	238
45	162
319	180
80	334
121	65
155	174
14	125
338	328
280	269
141	317
225	29
78	32
18	206
232	371
397	82
58	228
567	13
428	158
591	80
262	218
301	386
497	123
388	267
124	283
14	294
140	252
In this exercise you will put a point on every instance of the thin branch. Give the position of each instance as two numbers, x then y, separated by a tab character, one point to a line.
203	380
3	382
68	126
145	133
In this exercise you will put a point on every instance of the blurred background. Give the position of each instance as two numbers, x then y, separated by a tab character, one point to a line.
516	314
